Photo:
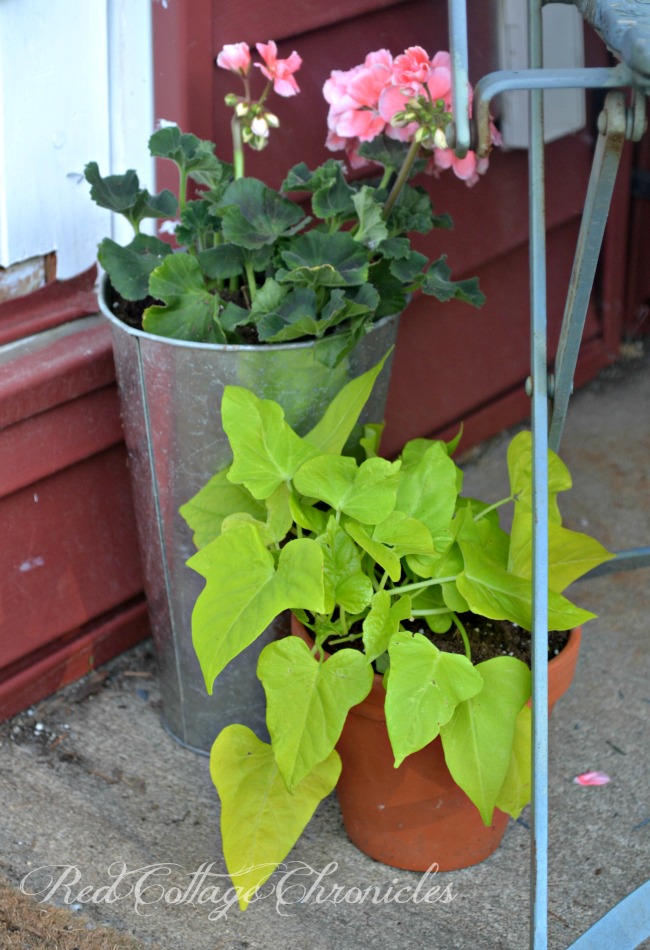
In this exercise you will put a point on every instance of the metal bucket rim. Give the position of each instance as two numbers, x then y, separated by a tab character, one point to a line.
216	347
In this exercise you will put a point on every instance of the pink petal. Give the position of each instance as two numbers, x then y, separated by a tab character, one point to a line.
592	778
236	57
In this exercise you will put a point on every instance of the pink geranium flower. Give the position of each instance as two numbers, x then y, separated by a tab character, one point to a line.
412	67
236	57
354	97
279	70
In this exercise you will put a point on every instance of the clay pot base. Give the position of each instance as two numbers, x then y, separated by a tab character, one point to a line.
416	816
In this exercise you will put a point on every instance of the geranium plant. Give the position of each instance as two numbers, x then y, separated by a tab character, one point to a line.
370	554
259	266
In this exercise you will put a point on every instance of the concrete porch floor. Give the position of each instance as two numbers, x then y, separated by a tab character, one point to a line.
89	778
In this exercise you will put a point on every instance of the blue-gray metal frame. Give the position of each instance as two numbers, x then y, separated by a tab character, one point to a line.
624	26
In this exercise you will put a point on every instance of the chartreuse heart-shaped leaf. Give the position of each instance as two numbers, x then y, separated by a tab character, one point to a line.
342	414
307	702
267	451
260	819
245	590
478	739
431	606
345	582
515	792
520	470
380	553
191	311
382	622
366	492
278	517
424	688
404	534
491	591
428	489
204	513
570	553
476	525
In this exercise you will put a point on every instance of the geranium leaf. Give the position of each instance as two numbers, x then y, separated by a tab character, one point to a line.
191	311
372	229
222	261
319	259
293	317
478	740
254	214
192	154
260	819
122	194
308	702
424	688
131	266
437	282
245	591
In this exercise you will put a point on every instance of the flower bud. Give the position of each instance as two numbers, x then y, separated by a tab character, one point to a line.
440	139
231	99
259	127
242	109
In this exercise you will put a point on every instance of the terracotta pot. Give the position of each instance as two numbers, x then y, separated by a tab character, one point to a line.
416	816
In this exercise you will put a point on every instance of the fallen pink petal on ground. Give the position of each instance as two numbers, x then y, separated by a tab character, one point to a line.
592	778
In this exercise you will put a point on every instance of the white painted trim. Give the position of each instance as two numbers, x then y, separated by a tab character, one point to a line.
76	85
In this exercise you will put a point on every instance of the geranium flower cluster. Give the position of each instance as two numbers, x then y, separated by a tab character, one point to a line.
253	117
407	98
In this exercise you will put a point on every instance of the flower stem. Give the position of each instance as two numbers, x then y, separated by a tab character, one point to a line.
250	280
402	177
237	148
182	189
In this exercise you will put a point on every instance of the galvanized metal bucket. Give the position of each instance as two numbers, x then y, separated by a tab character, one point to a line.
170	393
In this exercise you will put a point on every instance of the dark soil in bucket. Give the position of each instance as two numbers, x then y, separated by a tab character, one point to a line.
131	312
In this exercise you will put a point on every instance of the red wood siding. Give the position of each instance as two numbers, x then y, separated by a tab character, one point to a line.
70	576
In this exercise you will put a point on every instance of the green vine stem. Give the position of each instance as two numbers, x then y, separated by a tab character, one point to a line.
497	504
463	633
420	585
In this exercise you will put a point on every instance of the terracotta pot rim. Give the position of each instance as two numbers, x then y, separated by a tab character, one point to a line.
560	671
